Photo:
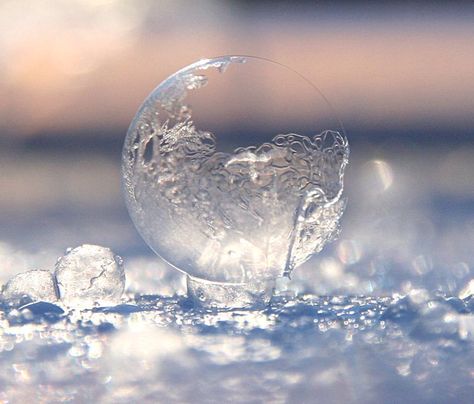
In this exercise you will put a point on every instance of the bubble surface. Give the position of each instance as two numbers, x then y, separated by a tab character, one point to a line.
246	215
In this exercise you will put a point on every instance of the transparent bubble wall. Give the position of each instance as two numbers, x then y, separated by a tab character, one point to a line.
233	170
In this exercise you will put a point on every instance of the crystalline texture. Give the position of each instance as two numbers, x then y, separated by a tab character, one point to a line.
37	285
228	296
242	217
90	275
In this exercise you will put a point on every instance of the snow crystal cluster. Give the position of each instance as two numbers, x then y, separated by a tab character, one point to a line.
85	276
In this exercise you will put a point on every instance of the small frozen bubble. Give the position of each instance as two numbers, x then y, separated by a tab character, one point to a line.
90	275
37	285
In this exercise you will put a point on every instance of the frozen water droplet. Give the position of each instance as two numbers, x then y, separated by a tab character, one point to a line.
90	275
119	259
37	285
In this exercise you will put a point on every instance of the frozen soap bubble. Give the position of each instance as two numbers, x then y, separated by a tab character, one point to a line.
233	173
36	285
90	275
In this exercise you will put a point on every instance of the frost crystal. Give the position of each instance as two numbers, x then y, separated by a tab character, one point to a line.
36	285
90	275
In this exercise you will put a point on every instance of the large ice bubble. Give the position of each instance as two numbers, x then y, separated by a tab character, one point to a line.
246	215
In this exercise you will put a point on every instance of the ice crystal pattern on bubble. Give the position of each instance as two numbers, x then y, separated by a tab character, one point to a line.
245	216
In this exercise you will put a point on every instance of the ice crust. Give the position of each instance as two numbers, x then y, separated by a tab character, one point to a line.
417	346
161	348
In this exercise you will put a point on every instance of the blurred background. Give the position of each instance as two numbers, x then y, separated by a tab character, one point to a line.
399	74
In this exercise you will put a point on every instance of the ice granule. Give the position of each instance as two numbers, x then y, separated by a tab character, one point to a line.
90	275
467	290
37	285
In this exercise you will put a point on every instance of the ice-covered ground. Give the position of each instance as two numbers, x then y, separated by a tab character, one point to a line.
384	314
300	349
